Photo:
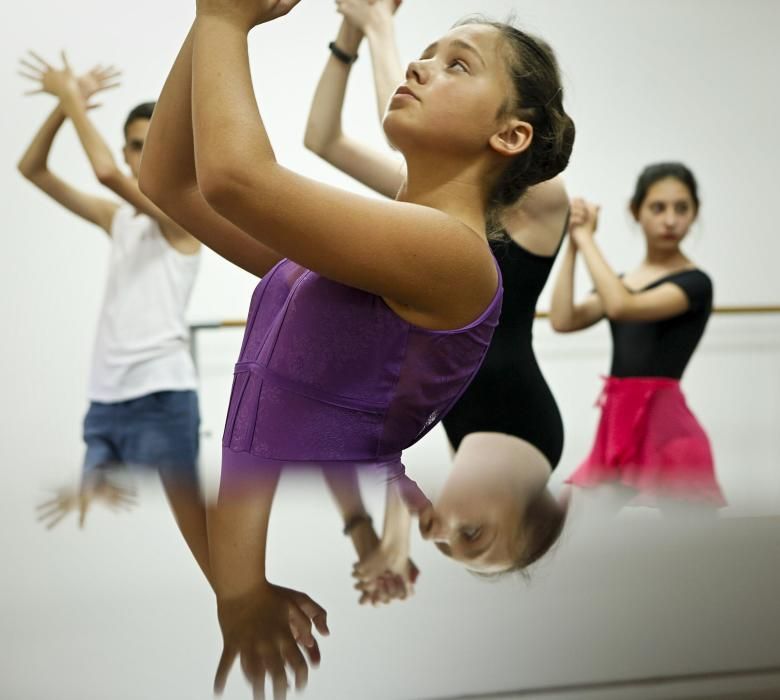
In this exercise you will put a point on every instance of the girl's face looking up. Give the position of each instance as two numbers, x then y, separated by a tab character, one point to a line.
454	95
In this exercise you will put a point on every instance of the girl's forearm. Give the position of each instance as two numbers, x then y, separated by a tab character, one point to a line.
398	519
562	303
324	124
610	288
98	152
237	533
168	163
226	140
386	62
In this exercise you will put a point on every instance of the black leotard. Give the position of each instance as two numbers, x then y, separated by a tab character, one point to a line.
663	348
509	394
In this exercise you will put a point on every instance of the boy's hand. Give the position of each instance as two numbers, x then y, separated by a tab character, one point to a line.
62	83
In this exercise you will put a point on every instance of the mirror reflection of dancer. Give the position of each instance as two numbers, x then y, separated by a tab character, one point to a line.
494	513
142	386
648	445
376	314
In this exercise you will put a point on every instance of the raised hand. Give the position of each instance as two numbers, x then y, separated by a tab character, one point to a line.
97	80
96	489
247	13
54	81
266	629
583	218
362	13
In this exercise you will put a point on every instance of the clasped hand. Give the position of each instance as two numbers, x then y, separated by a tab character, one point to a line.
245	13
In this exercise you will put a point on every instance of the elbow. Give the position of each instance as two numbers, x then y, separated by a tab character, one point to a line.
561	325
218	184
150	188
616	311
560	318
312	142
26	170
319	142
31	168
231	182
108	175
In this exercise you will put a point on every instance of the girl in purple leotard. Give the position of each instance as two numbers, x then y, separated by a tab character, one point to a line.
507	420
372	316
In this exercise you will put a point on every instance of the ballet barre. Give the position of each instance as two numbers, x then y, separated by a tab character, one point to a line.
727	310
195	328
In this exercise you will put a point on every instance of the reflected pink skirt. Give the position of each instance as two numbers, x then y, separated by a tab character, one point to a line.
649	441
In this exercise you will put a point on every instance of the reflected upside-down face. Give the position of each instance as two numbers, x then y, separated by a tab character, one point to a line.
453	95
477	518
666	213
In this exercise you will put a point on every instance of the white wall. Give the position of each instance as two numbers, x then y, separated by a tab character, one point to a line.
688	79
691	79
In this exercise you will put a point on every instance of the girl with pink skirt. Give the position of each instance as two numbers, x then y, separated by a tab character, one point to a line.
648	441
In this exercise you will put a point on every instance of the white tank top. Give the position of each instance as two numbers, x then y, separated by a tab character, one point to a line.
142	343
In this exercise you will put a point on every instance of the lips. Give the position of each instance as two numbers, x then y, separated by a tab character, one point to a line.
403	90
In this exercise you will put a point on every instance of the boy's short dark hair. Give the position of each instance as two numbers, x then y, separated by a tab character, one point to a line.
142	111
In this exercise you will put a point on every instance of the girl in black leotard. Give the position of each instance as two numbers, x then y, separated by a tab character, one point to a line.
648	442
494	512
509	394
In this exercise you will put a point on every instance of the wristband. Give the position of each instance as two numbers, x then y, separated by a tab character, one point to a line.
356	520
343	56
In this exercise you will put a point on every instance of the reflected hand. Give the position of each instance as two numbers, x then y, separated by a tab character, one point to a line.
363	13
266	628
385	574
583	219
95	489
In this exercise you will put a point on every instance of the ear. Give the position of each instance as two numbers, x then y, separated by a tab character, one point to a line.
124	153
634	214
514	138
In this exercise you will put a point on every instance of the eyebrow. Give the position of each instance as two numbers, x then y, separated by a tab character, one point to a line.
460	44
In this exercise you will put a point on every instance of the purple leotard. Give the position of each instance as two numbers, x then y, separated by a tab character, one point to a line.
329	374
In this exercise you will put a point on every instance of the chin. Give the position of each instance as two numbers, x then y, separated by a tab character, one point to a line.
399	132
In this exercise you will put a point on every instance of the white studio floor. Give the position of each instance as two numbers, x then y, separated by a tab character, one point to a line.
119	610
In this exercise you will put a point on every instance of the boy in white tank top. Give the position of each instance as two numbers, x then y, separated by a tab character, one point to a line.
142	386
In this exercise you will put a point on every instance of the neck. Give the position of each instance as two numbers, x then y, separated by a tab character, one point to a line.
489	452
452	186
665	258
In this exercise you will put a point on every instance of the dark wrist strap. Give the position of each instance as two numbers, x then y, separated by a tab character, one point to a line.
356	520
342	56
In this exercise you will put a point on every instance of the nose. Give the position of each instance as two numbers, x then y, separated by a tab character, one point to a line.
417	71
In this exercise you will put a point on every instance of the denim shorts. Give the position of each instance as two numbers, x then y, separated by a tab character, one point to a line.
159	431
